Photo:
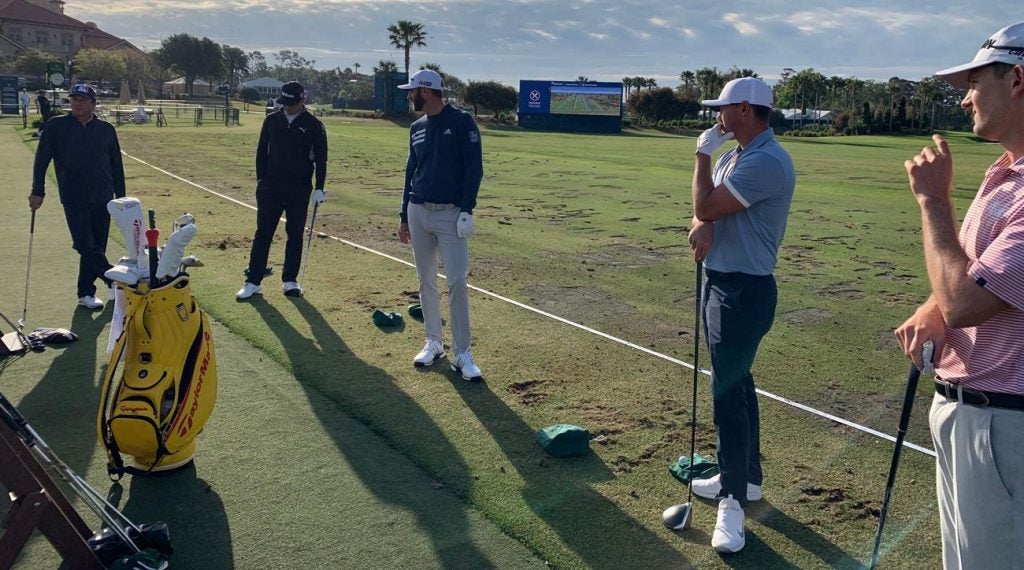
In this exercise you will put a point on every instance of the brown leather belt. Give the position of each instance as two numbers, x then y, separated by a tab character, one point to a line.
979	398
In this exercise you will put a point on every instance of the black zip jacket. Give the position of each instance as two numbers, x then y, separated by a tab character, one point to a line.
289	153
86	159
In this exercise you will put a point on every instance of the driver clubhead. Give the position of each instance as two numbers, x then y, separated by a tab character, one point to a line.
678	517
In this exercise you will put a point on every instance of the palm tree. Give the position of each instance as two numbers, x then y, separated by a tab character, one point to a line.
385	66
582	78
688	78
404	35
236	63
356	66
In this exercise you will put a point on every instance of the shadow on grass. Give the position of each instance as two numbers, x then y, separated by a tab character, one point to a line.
62	405
560	492
327	369
192	510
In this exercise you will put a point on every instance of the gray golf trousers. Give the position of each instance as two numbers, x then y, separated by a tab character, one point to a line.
979	474
432	229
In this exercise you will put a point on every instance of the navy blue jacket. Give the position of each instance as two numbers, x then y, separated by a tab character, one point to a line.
445	163
288	152
86	158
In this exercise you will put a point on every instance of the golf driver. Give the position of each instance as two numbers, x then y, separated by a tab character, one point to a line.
28	270
309	242
901	432
680	517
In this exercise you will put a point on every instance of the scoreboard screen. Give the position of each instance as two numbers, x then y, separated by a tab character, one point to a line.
570	98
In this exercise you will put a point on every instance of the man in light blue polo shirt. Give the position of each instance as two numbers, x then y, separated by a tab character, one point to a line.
740	210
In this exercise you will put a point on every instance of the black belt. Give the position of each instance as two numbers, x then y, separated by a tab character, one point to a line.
979	398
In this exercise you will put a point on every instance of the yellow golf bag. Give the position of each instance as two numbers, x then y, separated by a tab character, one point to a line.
154	409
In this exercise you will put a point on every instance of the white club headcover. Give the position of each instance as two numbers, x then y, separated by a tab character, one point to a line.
117	320
127	214
126	273
174	250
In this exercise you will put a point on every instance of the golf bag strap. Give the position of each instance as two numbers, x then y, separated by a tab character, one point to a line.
115	467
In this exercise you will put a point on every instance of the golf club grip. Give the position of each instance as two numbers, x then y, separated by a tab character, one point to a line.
32	225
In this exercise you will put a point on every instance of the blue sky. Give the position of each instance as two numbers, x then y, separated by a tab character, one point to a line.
509	40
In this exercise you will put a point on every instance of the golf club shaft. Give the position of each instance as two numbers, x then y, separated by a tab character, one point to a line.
28	268
309	242
699	292
901	433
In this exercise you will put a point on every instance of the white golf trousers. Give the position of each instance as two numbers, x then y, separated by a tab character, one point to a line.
979	474
432	229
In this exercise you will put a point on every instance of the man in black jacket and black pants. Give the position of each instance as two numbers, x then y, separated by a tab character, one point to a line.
87	160
293	145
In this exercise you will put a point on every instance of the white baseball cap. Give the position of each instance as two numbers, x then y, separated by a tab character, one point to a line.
423	78
749	89
1005	46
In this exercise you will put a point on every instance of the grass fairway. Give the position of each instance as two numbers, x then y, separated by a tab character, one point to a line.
591	228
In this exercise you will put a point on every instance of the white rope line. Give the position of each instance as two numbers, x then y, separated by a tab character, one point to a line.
563	320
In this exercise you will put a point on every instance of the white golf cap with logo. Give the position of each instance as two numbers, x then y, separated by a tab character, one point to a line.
423	78
749	89
1005	46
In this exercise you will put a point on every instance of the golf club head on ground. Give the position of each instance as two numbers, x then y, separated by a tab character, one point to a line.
678	517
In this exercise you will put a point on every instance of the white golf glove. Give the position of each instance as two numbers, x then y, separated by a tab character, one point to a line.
711	139
319	196
464	227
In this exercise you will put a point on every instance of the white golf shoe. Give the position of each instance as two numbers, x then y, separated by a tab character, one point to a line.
292	289
247	290
90	302
463	364
711	487
729	535
432	350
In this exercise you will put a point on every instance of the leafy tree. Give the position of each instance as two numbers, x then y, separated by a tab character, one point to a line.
100	65
193	58
258	65
236	63
453	86
138	67
250	95
405	35
385	66
33	62
662	104
490	95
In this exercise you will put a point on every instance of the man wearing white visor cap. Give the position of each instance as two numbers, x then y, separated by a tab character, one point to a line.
740	210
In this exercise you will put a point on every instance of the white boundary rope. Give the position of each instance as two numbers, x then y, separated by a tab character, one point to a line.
563	320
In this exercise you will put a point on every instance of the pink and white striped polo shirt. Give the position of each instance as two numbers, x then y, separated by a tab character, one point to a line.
990	356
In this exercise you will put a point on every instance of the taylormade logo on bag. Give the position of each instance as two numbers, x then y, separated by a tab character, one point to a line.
186	425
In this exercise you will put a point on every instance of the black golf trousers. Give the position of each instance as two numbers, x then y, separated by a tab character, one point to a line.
738	311
89	225
272	200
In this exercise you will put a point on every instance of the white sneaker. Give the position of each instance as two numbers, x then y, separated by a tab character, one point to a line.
432	350
292	289
729	535
248	290
90	302
464	365
711	487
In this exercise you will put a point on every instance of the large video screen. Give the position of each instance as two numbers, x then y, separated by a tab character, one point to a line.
585	100
570	98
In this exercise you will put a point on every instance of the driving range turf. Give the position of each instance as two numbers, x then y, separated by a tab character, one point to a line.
328	449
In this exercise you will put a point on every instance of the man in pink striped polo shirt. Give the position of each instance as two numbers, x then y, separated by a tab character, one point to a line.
975	317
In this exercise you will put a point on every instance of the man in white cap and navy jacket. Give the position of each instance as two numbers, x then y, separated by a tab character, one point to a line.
740	209
292	148
442	178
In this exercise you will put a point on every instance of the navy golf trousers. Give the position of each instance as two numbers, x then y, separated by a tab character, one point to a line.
89	225
272	200
738	311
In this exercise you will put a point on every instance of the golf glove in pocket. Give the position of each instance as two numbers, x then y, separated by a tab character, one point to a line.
319	196
711	139
464	227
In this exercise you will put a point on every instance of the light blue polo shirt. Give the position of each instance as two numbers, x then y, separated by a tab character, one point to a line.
762	178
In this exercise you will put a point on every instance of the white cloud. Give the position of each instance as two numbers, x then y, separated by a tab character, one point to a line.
737	22
659	22
541	33
595	36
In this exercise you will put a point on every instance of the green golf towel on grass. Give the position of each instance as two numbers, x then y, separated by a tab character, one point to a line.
564	440
703	468
382	319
